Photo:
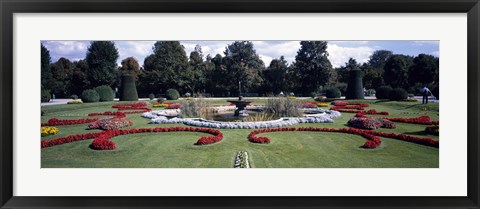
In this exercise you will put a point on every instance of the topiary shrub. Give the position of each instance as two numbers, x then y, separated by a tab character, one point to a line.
74	96
106	93
333	92
398	94
172	94
90	95
128	89
45	95
383	92
151	96
355	85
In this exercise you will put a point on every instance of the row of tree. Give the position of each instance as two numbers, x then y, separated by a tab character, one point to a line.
240	66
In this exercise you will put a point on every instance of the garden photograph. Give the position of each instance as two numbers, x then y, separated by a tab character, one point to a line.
239	104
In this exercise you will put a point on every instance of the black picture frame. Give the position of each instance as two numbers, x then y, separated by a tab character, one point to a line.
10	7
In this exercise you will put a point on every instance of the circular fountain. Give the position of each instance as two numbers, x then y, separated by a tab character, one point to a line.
241	105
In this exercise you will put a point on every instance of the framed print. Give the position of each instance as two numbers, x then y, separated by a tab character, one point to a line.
264	104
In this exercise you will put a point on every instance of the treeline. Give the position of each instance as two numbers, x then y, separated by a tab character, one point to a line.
170	67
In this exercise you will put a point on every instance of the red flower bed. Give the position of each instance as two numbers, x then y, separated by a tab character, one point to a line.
424	120
139	106
372	136
307	104
58	122
370	123
354	107
116	114
342	103
102	139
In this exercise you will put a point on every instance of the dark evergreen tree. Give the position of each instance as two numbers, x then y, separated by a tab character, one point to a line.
78	80
62	71
313	69
276	76
102	63
355	85
424	69
396	71
128	90
46	73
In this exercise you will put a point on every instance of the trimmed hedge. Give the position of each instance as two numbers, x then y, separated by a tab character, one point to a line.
90	95
333	92
129	89
383	92
106	93
355	85
151	96
45	95
172	94
398	94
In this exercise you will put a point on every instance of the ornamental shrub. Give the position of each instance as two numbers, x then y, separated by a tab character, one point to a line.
333	92
172	94
45	95
128	89
398	94
151	96
74	96
105	93
383	92
160	100
90	95
355	85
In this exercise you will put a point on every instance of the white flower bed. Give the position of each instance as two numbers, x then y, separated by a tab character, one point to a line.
159	117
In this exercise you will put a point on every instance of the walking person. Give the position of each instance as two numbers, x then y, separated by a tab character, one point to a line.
425	93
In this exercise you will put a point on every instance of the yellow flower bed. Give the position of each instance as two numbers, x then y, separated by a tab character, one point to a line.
48	130
292	97
75	102
159	105
323	104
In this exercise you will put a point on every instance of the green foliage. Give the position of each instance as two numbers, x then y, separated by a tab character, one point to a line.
282	107
163	68
398	94
90	95
379	58
102	63
193	79
196	108
276	76
160	100
46	72
106	93
130	67
436	91
151	96
396	71
383	92
312	67
355	85
172	94
333	92
45	95
342	87
74	96
78	80
62	72
243	65
128	91
424	69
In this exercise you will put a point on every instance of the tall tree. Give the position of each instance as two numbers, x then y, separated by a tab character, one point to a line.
163	67
313	69
102	63
130	67
79	81
194	78
396	71
216	75
46	73
424	69
243	65
378	58
62	73
276	76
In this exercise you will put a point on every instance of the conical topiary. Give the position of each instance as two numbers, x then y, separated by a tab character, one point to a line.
128	92
355	85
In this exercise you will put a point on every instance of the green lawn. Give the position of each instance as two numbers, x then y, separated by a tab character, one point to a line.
286	150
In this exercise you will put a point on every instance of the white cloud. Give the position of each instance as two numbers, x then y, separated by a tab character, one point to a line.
340	55
435	53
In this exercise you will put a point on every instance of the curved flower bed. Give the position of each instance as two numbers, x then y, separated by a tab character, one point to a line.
372	137
110	123
158	118
102	139
424	120
353	107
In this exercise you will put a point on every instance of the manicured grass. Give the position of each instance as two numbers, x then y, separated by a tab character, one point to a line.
286	150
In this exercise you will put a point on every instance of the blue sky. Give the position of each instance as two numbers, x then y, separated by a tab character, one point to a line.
340	51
